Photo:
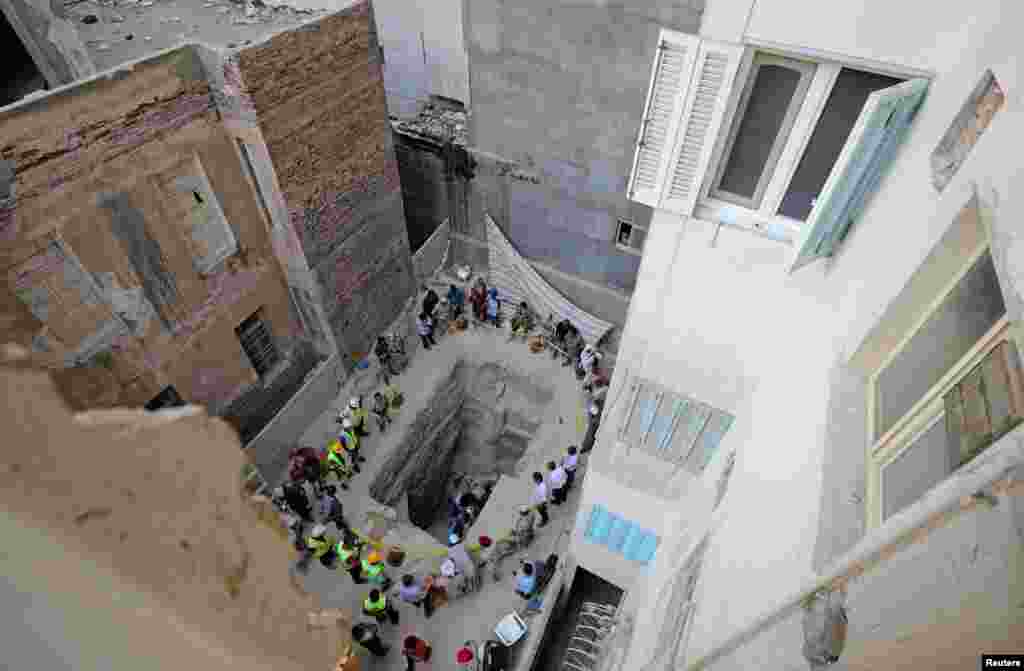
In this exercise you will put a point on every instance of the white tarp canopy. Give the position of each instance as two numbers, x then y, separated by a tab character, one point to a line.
516	280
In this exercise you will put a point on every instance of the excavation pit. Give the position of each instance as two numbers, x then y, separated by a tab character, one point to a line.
477	425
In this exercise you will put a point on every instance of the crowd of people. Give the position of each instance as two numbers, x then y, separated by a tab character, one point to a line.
313	507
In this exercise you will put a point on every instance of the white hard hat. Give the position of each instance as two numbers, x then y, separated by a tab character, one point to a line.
594	410
353	403
346	423
319	530
448	568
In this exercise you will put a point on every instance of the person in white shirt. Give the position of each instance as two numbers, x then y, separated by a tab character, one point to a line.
569	463
540	498
556	483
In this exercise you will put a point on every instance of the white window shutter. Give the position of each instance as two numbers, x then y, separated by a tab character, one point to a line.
702	112
871	147
670	80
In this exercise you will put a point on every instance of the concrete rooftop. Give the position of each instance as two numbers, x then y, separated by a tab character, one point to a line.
127	30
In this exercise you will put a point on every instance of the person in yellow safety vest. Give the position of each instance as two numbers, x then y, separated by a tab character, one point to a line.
376	606
348	553
350	441
373	570
322	545
335	463
359	416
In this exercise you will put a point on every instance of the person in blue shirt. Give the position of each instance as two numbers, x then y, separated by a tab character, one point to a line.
456	300
493	306
527	581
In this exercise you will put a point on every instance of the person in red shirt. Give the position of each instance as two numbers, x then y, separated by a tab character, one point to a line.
415	650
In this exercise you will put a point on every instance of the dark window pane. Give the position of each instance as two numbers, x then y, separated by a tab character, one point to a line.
773	90
168	398
969	311
258	344
844	104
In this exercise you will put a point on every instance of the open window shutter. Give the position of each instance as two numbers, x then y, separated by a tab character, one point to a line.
873	142
670	78
701	118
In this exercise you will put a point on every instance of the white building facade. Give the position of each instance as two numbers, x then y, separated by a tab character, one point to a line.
818	388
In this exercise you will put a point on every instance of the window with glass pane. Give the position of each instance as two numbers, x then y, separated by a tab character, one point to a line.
769	104
921	466
965	315
842	108
674	427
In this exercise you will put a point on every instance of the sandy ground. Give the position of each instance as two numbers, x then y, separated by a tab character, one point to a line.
472	616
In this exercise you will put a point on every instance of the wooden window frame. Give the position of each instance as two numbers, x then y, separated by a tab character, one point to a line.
886	448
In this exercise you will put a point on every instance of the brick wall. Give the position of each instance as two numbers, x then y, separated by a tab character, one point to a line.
319	97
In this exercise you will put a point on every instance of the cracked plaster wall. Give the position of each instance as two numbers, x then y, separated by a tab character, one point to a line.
319	98
110	150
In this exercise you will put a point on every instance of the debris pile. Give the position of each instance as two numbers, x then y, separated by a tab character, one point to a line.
439	123
208	20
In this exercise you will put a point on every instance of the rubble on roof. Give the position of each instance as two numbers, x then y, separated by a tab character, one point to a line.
439	122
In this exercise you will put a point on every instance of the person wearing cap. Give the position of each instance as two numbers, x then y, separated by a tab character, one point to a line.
334	462
350	441
373	569
322	545
522	529
570	463
348	552
557	480
483	558
359	416
377	606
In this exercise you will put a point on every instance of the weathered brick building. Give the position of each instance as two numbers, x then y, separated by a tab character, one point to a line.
208	225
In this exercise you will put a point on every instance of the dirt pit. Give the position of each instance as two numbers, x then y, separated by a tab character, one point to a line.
477	426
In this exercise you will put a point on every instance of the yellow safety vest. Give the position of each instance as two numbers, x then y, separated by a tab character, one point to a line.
348	440
372	570
319	546
359	415
334	458
344	552
375	606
